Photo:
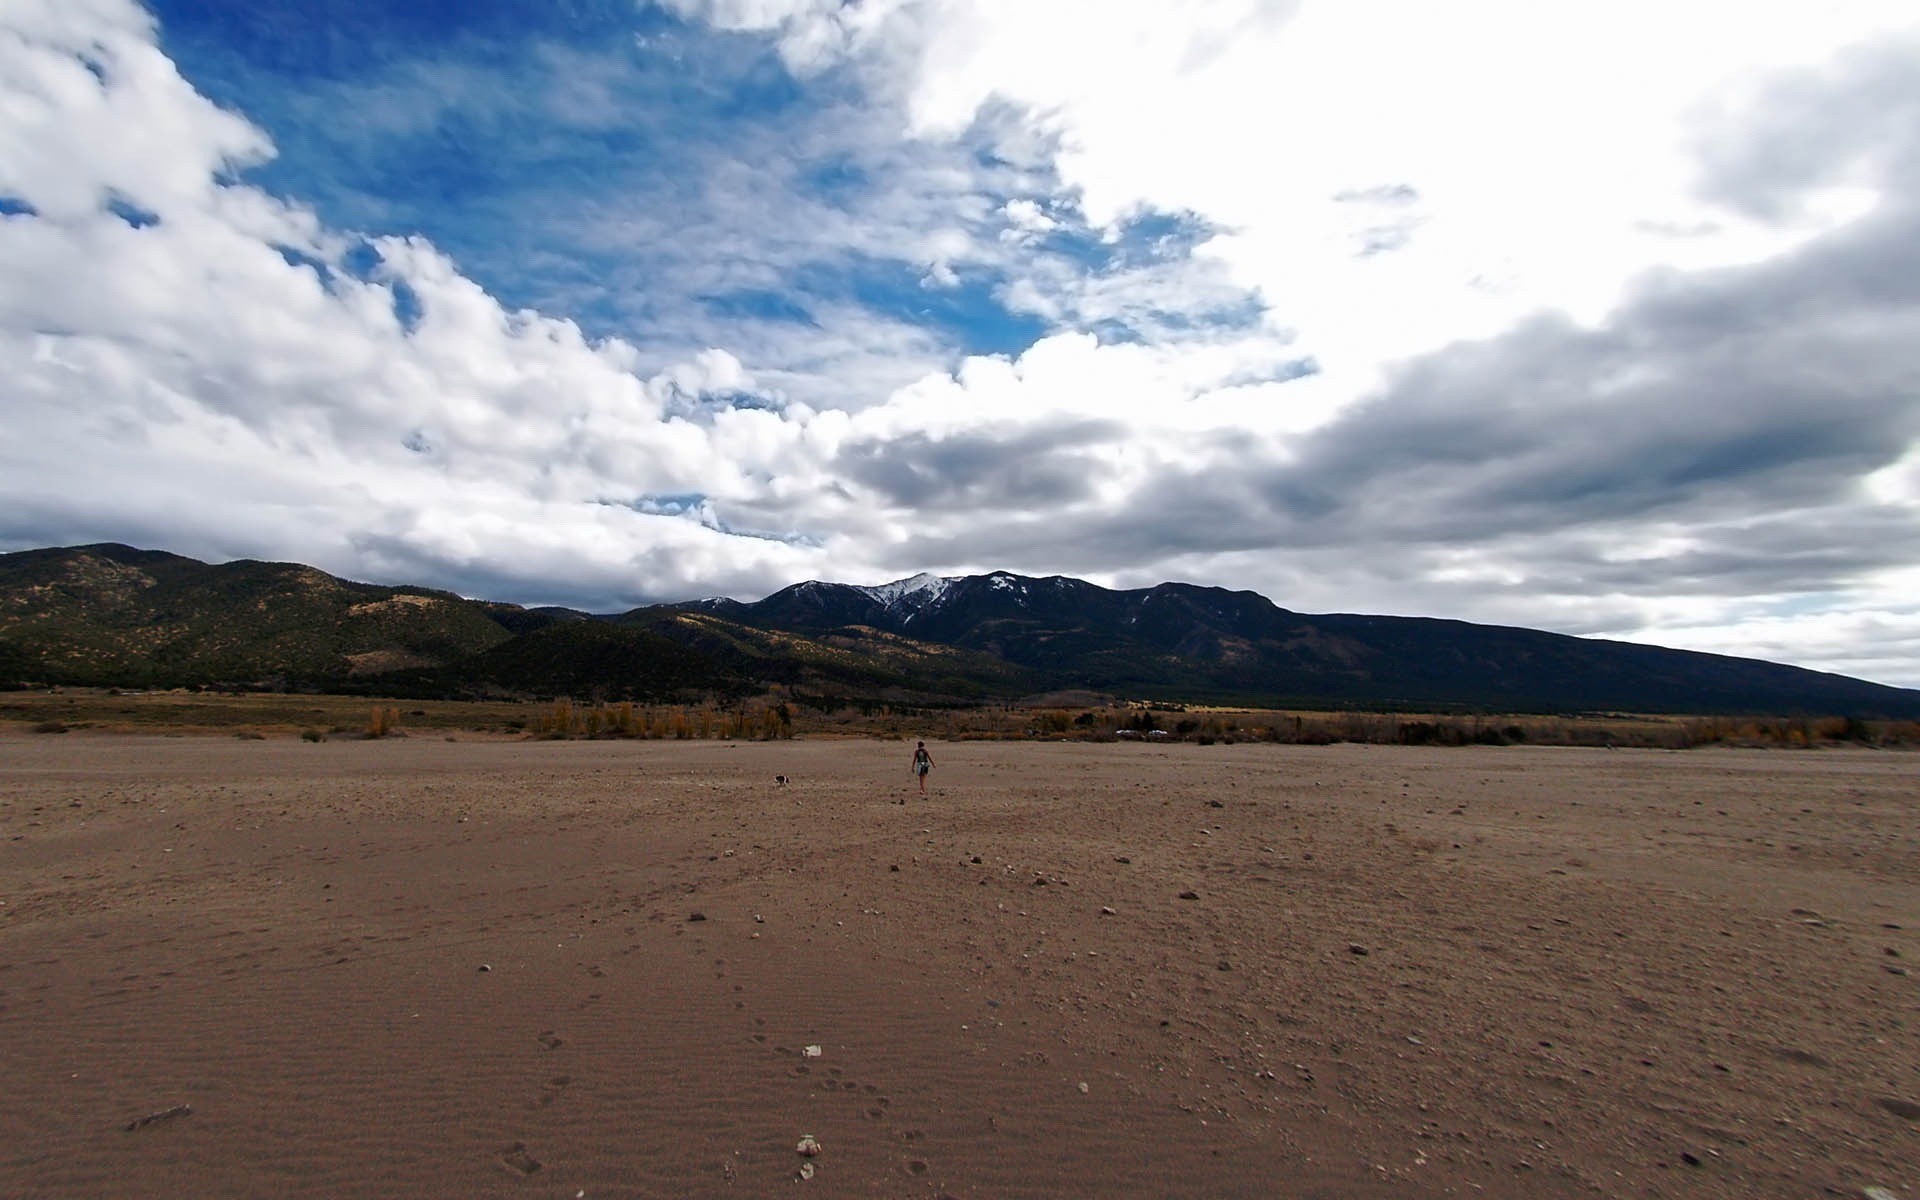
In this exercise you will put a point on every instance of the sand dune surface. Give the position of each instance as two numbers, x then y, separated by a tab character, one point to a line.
418	967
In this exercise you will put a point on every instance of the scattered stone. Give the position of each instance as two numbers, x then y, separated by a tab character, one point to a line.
1189	895
1123	859
1690	1158
1106	912
811	1052
1890	952
696	916
1878	1193
976	858
1356	948
1223	965
484	968
807	1147
1215	804
165	1114
1904	1109
894	867
1082	1086
806	1168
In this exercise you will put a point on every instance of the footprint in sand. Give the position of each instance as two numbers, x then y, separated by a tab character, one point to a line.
516	1158
552	1090
551	1042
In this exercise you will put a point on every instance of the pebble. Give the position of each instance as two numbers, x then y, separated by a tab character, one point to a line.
1356	948
484	968
696	916
1106	912
1878	1193
1189	895
1083	1087
807	1147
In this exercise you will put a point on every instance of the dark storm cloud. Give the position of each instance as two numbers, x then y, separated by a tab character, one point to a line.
1046	466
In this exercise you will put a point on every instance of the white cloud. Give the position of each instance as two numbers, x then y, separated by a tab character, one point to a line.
1549	145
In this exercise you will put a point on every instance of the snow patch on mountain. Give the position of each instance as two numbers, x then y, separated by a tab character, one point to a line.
917	591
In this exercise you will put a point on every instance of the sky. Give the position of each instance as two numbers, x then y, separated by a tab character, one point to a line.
1602	318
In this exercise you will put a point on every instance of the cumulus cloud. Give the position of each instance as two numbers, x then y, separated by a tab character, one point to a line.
220	365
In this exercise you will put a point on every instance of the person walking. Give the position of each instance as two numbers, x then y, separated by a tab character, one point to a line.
922	763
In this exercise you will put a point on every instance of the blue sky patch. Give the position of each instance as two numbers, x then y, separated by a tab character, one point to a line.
969	311
132	213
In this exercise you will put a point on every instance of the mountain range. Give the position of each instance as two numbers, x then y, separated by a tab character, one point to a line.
112	615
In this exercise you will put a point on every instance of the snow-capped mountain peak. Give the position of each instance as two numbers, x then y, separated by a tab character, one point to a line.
915	591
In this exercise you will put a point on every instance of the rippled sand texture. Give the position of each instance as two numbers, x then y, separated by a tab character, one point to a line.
423	968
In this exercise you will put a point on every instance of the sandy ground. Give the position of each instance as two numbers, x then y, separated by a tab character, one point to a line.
422	968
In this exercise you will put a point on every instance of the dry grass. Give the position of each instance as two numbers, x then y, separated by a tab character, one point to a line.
775	716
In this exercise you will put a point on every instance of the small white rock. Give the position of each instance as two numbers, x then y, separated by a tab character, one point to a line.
1082	1086
808	1147
812	1052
